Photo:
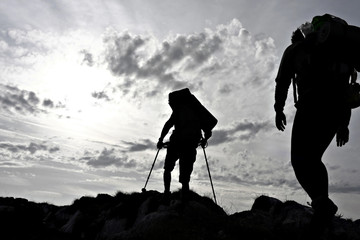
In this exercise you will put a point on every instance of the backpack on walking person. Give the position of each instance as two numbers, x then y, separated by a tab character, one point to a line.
341	42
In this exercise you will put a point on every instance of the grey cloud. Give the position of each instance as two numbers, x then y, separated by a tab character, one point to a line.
32	148
60	105
126	57
196	48
125	86
100	95
32	98
145	144
9	164
122	55
250	181
48	103
344	188
252	170
88	58
21	101
108	158
244	130
334	167
221	136
226	89
54	149
250	129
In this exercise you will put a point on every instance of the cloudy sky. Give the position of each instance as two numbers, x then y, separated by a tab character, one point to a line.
83	97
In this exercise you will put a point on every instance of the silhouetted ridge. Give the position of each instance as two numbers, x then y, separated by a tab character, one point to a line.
150	215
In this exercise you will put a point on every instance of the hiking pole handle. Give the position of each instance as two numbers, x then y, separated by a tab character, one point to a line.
152	166
207	165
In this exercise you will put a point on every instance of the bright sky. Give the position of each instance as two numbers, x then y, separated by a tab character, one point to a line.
83	97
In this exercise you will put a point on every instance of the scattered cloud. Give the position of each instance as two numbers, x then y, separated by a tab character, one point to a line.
247	169
108	157
13	99
48	103
145	144
344	188
245	131
189	60
88	58
100	95
32	148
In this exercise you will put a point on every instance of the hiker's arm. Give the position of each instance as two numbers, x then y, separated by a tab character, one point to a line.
168	125
283	81
280	120
207	135
342	135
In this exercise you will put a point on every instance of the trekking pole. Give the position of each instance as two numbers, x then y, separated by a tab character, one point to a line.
207	165
144	188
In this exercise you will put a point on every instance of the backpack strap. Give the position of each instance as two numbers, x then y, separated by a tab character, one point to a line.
353	77
294	90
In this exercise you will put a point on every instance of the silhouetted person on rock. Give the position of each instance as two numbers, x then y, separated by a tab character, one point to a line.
187	121
321	72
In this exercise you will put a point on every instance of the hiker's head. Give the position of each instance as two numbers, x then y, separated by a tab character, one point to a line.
179	97
297	36
306	28
317	22
173	101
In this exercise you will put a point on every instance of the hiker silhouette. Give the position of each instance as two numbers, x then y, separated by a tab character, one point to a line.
189	118
320	65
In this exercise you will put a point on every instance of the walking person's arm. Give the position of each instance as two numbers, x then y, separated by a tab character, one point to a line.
283	81
342	135
168	125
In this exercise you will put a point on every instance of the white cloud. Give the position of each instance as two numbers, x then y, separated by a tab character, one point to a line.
213	56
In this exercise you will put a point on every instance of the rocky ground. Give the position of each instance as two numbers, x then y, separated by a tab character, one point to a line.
148	216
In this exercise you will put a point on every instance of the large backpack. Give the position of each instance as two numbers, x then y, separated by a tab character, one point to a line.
329	28
352	94
339	41
184	96
339	35
335	31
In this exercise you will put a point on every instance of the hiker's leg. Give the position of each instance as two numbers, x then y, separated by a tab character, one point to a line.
309	141
170	160
185	187
186	162
167	180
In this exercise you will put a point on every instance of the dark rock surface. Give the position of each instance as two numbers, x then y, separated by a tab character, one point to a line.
149	216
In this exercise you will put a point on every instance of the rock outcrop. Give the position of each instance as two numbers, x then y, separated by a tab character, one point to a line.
149	216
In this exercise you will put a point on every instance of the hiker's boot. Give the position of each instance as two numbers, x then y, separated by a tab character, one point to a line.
324	212
185	192
166	197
